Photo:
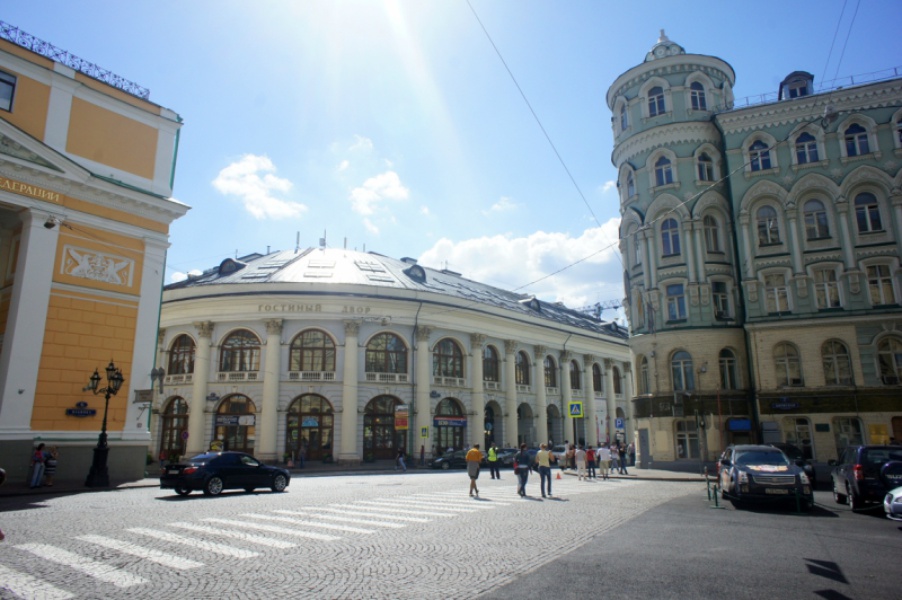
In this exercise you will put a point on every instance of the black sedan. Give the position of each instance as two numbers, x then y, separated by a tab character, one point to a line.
213	472
796	455
751	472
454	460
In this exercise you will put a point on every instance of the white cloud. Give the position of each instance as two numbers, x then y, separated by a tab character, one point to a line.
370	226
252	180
179	276
375	191
607	186
343	165
589	265
424	210
361	144
503	205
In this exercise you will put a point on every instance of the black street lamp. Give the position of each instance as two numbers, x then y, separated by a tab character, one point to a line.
99	476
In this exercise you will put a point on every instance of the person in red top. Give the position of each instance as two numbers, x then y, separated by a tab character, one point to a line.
590	462
474	457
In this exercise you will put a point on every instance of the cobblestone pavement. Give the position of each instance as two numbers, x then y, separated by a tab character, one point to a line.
378	536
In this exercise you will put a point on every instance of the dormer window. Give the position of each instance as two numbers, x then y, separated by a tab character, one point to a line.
229	266
796	85
416	272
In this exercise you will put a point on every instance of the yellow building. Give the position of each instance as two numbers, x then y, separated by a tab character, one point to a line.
86	171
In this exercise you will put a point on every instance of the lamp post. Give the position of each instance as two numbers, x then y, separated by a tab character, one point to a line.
99	476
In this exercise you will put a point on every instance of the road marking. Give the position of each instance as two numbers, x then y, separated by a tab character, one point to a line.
430	505
273	529
193	543
26	586
309	523
92	568
455	501
320	515
372	512
240	535
390	508
161	558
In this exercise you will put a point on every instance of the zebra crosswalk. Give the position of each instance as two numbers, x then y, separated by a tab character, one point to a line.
239	537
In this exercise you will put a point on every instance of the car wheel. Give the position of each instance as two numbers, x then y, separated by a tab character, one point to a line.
837	497
853	500
446	466
182	491
279	483
214	486
249	490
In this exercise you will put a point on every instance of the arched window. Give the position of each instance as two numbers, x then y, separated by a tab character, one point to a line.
490	370
380	439
787	365
816	226
310	428
806	149
712	235
856	138
597	382
880	285
889	356
312	350
670	237
550	372
759	156
451	419
386	353
521	368
768	226
236	420
617	381
173	425
705	167
867	213
837	364
681	370
729	375
575	379
447	359
644	388
181	356
656	101
697	93
630	186
240	352
663	171
624	117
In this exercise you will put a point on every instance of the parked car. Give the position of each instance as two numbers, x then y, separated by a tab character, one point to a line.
559	451
213	472
506	456
892	504
856	476
796	455
455	460
749	472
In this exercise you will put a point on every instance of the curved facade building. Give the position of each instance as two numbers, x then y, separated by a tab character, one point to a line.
349	356
762	250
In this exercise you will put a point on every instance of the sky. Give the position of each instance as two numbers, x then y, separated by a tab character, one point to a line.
472	135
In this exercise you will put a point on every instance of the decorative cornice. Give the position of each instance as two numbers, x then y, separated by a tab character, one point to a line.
664	136
204	329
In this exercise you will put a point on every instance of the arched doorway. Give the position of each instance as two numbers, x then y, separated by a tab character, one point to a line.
173	422
494	424
235	424
526	429
450	425
555	424
380	440
309	427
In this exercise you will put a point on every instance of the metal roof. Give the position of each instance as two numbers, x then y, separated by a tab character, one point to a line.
331	266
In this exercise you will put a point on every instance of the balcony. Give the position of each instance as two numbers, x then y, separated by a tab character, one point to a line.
183	379
491	385
523	388
576	393
449	381
387	377
311	376
237	376
552	391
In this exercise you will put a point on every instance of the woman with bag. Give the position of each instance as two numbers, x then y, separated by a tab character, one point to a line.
37	466
521	466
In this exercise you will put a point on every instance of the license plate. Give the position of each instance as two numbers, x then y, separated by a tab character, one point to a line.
173	472
775	491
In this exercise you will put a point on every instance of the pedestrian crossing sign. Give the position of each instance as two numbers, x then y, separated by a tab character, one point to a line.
576	410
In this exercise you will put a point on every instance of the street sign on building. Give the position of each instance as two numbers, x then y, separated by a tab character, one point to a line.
575	410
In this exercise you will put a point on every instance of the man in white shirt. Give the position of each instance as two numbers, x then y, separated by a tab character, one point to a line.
604	460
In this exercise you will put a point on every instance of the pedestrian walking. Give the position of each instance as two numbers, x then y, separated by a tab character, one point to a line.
571	457
494	471
521	462
50	461
37	466
474	457
631	451
604	461
590	462
580	456
302	454
544	458
422	455
615	458
400	463
622	451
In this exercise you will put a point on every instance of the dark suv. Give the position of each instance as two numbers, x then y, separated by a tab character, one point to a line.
796	455
758	472
856	475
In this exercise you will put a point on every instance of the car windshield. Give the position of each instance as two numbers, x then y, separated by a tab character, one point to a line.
762	457
879	456
792	452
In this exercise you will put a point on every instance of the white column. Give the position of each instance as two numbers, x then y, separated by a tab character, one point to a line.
697	231
267	430
566	396
511	427
589	414
795	249
541	395
689	248
196	416
23	339
349	400
612	401
746	235
846	241
476	421
424	383
642	239
630	405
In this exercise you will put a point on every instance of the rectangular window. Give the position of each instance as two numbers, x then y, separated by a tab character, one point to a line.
720	300
777	293
880	285
826	289
676	302
7	91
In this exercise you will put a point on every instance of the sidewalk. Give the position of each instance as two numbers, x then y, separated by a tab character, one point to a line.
322	470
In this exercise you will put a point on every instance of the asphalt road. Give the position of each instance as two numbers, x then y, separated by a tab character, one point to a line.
420	536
